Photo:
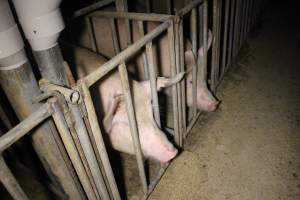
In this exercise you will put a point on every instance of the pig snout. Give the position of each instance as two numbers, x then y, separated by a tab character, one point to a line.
206	101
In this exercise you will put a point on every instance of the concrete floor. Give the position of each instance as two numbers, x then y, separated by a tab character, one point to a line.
250	148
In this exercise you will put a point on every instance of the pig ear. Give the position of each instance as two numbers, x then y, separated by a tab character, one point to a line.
209	41
112	107
190	60
163	82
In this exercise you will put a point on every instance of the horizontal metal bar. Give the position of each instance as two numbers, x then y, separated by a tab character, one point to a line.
132	49
91	8
132	16
25	126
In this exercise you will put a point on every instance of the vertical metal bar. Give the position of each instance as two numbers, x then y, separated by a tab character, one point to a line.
178	69
10	182
133	125
148	6
169	7
145	61
90	25
97	135
114	36
205	29
70	146
215	45
183	84
122	6
193	32
225	38
236	26
174	87
152	75
219	26
231	32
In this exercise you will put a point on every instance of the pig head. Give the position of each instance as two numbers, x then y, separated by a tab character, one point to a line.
154	142
205	99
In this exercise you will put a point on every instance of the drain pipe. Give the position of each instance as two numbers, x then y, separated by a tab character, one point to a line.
19	84
42	23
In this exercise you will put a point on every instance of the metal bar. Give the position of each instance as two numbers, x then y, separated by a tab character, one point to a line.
225	38
192	123
70	146
152	76
10	182
133	16
148	6
193	20
24	127
121	6
169	7
92	37
133	125
5	119
189	7
91	8
214	46
231	32
97	135
174	87
219	26
145	61
112	63
114	36
178	69
183	83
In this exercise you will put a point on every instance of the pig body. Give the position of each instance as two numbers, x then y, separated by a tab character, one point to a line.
109	94
205	99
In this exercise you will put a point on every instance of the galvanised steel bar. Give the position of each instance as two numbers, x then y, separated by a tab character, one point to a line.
153	83
25	126
121	6
91	8
10	182
98	139
148	6
5	119
225	37
169	7
236	28
132	49
189	7
193	36
70	146
171	40
133	125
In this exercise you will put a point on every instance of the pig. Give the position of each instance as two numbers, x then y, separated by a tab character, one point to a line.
154	143
205	99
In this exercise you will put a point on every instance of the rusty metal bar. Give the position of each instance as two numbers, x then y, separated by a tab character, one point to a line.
97	135
174	87
10	182
133	125
112	63
24	127
153	83
91	8
70	146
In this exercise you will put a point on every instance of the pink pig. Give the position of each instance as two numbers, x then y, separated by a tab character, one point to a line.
108	91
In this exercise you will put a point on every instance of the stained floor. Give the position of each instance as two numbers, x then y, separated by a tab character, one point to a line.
250	148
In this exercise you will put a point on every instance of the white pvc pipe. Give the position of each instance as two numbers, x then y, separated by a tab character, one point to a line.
11	43
41	21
